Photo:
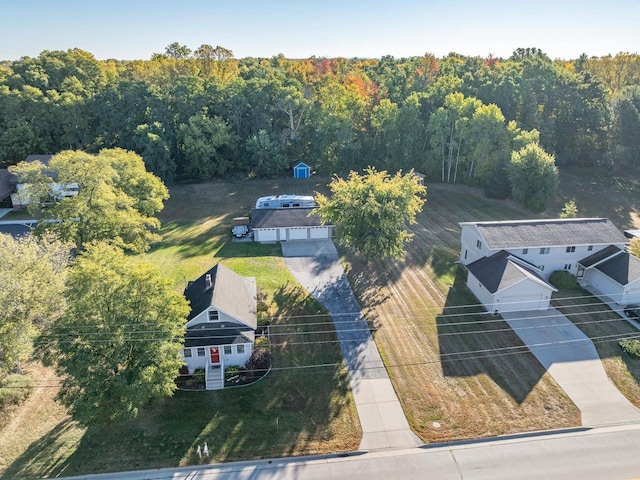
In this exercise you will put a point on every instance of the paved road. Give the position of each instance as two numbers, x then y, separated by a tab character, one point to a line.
572	360
381	417
591	454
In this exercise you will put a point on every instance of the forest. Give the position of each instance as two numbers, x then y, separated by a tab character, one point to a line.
195	115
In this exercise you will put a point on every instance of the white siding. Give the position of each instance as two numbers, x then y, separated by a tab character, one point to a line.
481	293
603	284
631	293
472	250
525	295
234	359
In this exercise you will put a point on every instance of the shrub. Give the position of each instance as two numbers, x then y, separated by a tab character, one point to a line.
15	389
263	343
563	280
258	364
631	347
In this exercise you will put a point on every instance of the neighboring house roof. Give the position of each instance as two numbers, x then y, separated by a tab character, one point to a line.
210	335
15	229
501	270
44	159
624	268
548	233
284	217
229	292
6	187
598	257
632	233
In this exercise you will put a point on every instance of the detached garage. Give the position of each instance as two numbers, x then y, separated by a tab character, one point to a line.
504	283
283	224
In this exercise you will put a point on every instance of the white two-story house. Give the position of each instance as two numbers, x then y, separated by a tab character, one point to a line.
222	323
509	262
19	196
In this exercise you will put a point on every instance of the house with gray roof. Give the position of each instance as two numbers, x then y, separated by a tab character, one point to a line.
282	224
221	324
522	253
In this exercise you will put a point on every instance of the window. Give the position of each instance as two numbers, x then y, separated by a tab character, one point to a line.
567	266
589	248
227	349
541	268
580	273
213	315
186	353
571	249
465	254
525	251
201	351
544	250
285	205
478	244
240	349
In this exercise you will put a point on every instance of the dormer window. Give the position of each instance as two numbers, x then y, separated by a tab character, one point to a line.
544	250
571	249
213	316
525	251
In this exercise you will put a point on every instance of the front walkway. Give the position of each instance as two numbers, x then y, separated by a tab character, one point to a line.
383	422
572	360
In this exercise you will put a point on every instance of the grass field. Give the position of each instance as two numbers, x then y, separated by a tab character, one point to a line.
439	351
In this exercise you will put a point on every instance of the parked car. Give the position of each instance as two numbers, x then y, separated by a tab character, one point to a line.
632	311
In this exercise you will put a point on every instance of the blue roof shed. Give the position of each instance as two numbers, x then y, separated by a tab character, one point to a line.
301	170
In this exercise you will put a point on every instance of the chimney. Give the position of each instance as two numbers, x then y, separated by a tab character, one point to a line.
207	281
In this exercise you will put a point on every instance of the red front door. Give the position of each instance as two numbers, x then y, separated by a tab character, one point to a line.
215	354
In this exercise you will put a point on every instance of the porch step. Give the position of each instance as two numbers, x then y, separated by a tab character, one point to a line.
214	379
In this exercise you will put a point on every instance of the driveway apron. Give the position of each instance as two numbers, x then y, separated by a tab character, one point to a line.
384	425
572	360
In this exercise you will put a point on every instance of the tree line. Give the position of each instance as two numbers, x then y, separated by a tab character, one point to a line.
193	115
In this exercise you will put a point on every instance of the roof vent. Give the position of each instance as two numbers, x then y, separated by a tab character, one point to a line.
207	281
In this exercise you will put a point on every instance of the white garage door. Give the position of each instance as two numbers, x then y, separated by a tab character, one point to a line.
298	233
319	232
517	303
266	234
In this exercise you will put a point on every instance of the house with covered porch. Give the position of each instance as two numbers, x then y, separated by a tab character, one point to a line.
221	324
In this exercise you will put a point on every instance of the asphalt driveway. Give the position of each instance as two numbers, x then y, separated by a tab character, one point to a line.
572	360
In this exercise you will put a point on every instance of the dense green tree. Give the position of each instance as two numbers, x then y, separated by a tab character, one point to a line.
203	143
534	177
33	273
264	156
117	345
372	211
117	200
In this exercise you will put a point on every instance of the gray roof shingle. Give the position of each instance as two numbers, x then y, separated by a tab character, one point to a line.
624	268
599	256
284	217
498	272
548	233
231	293
209	335
6	187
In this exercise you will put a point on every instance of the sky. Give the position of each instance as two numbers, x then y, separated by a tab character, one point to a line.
135	29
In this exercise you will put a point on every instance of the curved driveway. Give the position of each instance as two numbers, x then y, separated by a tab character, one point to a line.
572	360
317	267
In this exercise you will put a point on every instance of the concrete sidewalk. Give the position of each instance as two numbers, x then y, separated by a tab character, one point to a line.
572	360
383	422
